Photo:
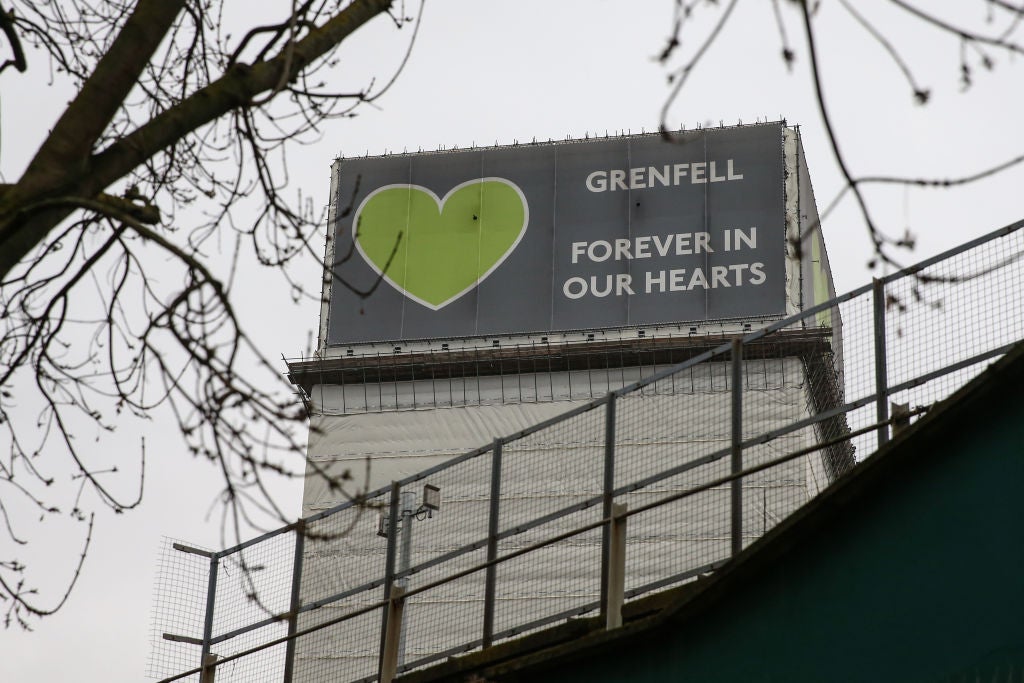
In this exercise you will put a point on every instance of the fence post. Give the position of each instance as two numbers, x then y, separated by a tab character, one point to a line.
881	370
616	567
209	669
609	488
736	486
293	609
492	544
392	635
389	574
211	594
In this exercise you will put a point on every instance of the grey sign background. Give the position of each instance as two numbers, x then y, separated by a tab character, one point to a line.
525	293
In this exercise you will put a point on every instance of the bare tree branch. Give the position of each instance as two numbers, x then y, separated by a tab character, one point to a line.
164	107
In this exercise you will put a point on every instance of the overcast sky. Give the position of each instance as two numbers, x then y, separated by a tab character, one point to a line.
485	72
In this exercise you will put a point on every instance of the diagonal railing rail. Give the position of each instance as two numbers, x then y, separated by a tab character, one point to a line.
653	484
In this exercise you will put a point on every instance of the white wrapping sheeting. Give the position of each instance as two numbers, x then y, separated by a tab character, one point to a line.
527	387
679	420
398	444
393	443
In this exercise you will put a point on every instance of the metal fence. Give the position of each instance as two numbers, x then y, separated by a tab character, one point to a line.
526	537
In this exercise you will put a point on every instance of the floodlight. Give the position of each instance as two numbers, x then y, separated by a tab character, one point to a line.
383	523
431	497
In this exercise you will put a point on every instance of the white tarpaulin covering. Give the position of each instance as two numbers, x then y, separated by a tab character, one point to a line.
676	422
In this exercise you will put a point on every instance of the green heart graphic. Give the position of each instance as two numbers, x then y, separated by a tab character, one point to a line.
445	247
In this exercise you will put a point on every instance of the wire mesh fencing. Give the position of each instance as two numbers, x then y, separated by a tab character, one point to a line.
651	485
178	608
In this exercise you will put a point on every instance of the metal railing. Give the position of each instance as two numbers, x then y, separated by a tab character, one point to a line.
702	458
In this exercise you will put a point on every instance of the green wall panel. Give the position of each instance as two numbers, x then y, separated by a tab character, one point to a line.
921	579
